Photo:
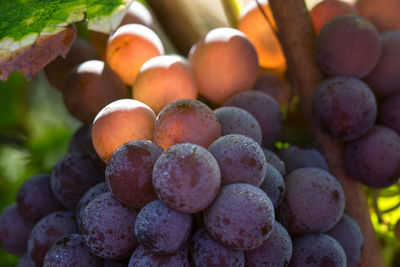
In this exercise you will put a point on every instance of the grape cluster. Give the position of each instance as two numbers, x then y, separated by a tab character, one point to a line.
176	162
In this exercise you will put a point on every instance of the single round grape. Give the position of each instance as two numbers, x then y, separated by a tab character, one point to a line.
162	80
206	251
314	201
273	185
145	258
72	176
276	251
275	86
316	250
35	198
275	161
26	261
57	70
129	47
161	229
186	177
296	157
14	230
47	231
348	45
120	122
108	227
89	87
385	77
261	34
71	251
136	13
389	113
90	194
264	108
327	10
240	159
241	217
224	62
374	159
186	121
350	237
129	172
344	107
384	14
235	120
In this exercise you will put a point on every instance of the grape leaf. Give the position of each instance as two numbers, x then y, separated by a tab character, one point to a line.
34	32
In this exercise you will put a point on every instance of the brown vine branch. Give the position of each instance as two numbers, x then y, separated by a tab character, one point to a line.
297	38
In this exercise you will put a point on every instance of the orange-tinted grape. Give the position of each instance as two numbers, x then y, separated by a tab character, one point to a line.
136	13
327	10
56	72
186	121
253	23
384	14
129	47
162	80
224	62
89	87
348	45
119	122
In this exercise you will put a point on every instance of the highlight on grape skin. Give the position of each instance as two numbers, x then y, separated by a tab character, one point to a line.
240	159
129	172
120	122
186	177
314	201
261	34
374	158
348	45
131	46
235	120
224	63
241	217
162	80
186	121
344	107
89	87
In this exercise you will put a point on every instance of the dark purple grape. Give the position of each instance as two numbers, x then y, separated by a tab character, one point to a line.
161	229
120	263
206	251
389	113
129	172
14	230
314	201
344	107
274	160
108	227
350	237
273	185
93	192
264	108
384	79
26	261
47	231
241	217
72	176
145	258
186	177
273	85
296	157
317	250
35	198
235	120
374	159
240	159
348	45
71	251
276	251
